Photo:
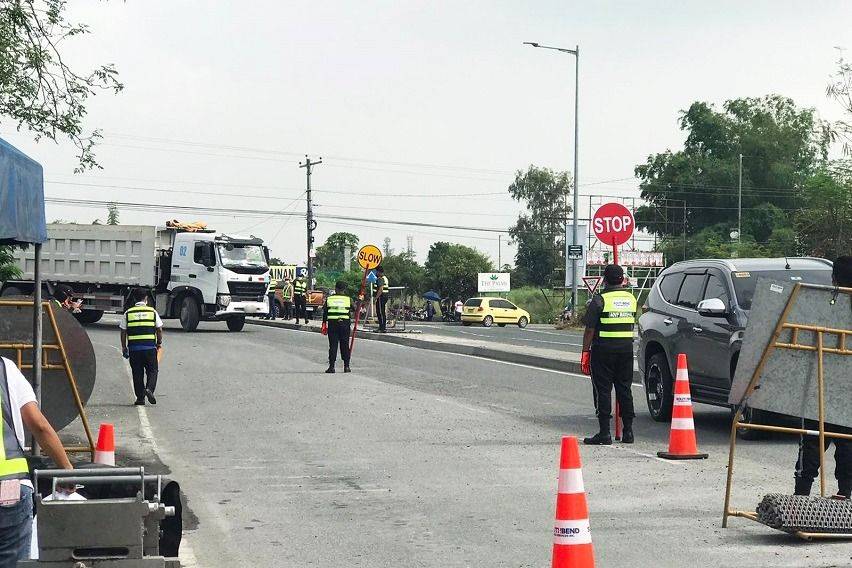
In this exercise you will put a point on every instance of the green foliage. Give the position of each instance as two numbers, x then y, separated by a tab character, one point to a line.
824	223
532	300
452	269
328	278
38	90
8	268
840	90
330	254
540	231
782	146
112	214
402	270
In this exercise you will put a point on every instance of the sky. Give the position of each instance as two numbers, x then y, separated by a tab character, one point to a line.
421	111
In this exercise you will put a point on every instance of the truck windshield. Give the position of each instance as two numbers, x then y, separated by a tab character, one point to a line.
237	256
746	281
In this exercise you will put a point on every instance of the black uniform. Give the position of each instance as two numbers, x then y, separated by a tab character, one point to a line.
807	465
612	315
337	315
300	290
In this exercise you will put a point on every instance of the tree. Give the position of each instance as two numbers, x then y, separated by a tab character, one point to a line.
403	270
38	90
452	269
840	90
112	214
782	146
8	267
824	223
540	230
330	255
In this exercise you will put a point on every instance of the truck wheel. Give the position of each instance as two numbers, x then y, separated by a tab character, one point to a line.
236	324
14	291
659	388
87	317
189	314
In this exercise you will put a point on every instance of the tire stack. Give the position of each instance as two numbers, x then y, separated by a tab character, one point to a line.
797	513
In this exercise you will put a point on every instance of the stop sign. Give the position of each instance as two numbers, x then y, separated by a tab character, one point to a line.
613	223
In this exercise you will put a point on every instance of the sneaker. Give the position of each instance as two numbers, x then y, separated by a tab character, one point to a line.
150	396
598	439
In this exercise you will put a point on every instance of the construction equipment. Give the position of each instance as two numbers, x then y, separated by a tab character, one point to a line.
123	532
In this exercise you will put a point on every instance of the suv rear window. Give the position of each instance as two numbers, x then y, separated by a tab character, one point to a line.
473	303
691	291
745	282
670	285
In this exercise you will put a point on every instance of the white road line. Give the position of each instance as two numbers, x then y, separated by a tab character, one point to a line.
186	554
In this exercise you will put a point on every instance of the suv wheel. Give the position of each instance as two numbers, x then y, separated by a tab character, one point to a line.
659	387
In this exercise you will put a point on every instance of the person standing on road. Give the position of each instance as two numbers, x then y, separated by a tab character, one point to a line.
270	297
380	291
336	315
20	409
459	307
430	310
141	338
300	291
807	464
287	298
608	353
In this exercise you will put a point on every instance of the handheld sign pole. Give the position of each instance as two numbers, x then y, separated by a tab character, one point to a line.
369	257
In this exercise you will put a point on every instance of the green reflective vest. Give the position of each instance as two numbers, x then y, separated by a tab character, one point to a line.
385	285
141	326
618	316
13	464
273	284
337	307
300	287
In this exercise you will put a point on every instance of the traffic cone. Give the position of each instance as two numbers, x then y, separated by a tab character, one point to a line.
105	450
572	539
682	444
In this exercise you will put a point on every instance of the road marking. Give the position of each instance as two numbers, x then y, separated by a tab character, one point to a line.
460	405
186	554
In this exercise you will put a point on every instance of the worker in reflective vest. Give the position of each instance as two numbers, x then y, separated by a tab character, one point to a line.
380	294
335	322
270	298
608	353
141	338
20	409
300	290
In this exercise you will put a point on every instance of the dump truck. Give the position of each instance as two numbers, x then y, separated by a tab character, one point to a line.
194	276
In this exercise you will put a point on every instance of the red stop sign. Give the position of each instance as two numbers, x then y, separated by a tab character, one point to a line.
613	223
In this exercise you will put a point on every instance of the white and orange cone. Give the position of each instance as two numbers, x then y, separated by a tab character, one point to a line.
572	538
105	450
682	443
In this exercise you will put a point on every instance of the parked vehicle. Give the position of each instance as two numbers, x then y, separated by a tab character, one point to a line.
700	308
488	311
194	276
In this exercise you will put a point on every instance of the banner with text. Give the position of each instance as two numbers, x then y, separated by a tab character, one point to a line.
493	282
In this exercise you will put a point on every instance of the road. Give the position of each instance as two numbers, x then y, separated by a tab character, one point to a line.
420	458
544	337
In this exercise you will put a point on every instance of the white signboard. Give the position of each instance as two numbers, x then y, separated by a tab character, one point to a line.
493	282
602	257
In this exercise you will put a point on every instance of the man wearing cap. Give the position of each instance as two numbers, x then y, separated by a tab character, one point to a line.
380	293
141	338
608	353
335	323
20	410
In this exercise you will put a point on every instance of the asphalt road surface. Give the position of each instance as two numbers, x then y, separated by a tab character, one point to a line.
420	458
533	336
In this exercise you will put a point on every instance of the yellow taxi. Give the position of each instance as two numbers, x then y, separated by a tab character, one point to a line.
489	311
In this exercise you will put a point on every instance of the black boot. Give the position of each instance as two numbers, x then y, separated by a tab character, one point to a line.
845	488
602	438
346	369
330	369
803	486
627	431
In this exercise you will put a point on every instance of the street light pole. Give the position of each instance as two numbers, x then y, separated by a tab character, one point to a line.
575	232
740	204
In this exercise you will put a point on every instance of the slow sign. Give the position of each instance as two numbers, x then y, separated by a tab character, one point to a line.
369	257
613	224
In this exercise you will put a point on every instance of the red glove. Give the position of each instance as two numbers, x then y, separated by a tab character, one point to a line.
586	363
324	328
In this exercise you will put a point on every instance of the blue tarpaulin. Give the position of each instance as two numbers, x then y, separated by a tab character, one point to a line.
21	197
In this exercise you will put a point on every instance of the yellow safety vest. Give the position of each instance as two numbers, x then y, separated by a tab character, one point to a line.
13	464
618	316
385	285
141	326
300	287
337	307
273	284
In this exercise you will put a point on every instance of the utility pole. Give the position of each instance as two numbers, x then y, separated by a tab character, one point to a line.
311	225
740	205
499	252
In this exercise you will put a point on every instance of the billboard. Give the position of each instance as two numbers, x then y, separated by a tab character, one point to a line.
493	282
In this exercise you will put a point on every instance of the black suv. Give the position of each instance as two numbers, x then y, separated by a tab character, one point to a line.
700	307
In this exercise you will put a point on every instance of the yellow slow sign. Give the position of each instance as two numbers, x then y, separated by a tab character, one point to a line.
369	257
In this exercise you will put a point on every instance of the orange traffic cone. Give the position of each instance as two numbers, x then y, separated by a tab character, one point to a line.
572	539
682	444
105	450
